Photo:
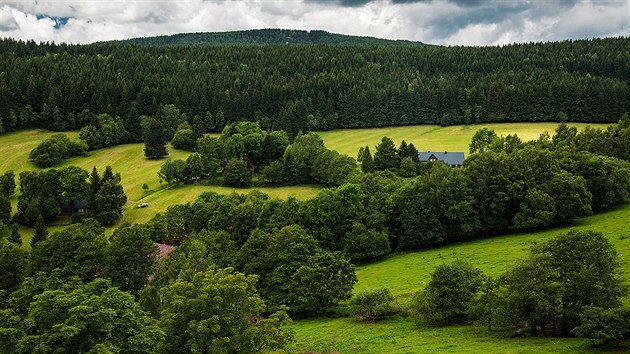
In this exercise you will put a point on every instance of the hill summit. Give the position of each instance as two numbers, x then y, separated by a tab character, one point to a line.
263	37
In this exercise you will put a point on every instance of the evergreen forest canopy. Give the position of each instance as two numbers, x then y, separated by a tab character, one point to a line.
312	87
262	36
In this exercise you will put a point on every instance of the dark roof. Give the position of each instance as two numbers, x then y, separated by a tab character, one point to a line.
450	158
78	203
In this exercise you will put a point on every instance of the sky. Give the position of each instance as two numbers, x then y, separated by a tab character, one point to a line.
443	22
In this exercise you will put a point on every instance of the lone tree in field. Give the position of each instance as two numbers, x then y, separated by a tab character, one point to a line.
155	140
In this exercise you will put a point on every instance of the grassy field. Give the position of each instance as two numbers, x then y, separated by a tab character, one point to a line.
402	335
135	170
432	137
408	272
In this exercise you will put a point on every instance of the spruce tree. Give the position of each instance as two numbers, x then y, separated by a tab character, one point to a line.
15	236
386	156
40	232
365	157
95	185
155	140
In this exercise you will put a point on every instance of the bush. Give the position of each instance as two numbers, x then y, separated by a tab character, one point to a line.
373	304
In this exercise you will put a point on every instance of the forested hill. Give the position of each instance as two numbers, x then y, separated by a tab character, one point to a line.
263	36
314	87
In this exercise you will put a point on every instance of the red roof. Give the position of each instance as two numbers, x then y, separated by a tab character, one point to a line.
163	249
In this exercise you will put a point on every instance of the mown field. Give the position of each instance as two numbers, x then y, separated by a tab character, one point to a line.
433	137
408	272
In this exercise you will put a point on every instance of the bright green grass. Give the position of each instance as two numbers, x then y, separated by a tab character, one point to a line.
432	137
161	199
408	272
402	335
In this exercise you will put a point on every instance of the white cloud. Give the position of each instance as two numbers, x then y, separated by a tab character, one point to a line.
438	22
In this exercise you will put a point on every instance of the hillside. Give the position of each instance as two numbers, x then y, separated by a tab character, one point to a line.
262	37
314	87
407	272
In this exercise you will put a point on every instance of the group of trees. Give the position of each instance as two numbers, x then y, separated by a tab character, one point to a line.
244	150
52	85
56	148
567	285
388	157
43	193
77	291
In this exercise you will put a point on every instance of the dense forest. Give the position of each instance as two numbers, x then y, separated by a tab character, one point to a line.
263	36
313	87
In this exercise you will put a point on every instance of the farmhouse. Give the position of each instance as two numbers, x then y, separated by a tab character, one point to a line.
77	206
453	159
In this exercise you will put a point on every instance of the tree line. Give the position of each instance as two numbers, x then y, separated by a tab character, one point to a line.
318	87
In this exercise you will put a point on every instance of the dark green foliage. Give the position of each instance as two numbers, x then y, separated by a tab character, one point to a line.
5	209
363	243
554	286
40	232
106	196
407	167
79	318
263	36
386	155
220	312
39	194
332	169
294	271
104	131
7	184
54	149
300	156
78	250
15	236
155	139
129	258
604	325
236	173
339	86
366	160
373	304
451	292
13	262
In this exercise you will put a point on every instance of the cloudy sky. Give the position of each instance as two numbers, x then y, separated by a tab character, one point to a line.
446	22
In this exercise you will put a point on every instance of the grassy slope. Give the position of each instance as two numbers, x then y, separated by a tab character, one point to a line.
135	170
405	273
432	137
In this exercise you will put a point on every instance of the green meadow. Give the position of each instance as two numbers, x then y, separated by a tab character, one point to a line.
433	137
407	272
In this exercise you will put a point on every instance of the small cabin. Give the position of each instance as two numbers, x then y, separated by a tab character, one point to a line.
452	159
78	206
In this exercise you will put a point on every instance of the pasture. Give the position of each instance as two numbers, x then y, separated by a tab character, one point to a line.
407	272
433	137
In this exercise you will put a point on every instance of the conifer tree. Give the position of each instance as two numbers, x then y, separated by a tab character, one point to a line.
386	156
365	158
15	236
155	140
40	232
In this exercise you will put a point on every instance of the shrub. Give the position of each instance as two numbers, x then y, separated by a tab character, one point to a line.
373	304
